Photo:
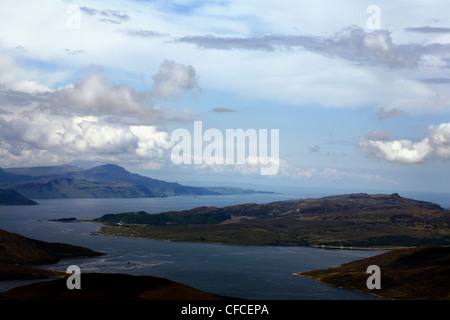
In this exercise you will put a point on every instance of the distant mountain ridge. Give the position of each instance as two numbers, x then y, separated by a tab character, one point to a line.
105	181
10	197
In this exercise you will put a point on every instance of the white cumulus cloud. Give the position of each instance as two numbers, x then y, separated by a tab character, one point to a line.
436	145
174	79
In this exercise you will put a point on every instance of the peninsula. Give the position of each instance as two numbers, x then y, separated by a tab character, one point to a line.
418	273
352	220
19	253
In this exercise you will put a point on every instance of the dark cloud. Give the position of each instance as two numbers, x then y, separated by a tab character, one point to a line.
111	16
5	111
143	33
380	135
428	30
222	110
383	114
353	44
314	148
15	98
267	42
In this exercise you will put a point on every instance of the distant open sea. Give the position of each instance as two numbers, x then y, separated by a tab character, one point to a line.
250	272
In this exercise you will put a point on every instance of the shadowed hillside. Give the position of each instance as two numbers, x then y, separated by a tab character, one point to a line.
10	197
420	273
102	286
17	252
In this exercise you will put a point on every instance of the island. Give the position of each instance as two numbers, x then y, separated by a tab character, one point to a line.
342	221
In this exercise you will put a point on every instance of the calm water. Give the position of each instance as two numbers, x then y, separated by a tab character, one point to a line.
252	272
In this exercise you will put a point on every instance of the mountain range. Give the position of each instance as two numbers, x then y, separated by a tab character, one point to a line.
105	181
10	197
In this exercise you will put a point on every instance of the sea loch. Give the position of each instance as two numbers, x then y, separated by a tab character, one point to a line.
249	272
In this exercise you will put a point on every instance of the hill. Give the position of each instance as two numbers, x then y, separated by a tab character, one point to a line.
10	197
103	286
353	220
105	181
417	273
17	251
7	177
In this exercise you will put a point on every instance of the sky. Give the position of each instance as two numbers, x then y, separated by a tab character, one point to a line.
358	92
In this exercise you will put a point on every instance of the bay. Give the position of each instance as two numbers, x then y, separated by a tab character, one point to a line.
250	272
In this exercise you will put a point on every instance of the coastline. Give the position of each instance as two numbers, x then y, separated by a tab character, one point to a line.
104	234
416	273
299	274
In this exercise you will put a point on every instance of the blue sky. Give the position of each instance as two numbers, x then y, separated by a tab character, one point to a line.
357	107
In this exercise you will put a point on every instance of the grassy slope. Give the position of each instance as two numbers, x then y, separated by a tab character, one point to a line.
364	221
412	273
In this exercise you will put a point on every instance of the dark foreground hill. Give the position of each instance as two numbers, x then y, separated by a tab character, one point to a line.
103	286
17	249
353	220
419	273
105	181
18	252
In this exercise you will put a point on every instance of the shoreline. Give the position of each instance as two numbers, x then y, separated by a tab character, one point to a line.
100	233
299	274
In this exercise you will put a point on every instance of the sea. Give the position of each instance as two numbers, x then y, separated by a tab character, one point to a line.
242	271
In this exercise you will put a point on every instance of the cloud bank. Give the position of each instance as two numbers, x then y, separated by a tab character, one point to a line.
353	44
436	146
94	119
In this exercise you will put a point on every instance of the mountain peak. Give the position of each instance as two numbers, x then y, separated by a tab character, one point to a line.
11	197
106	172
109	167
